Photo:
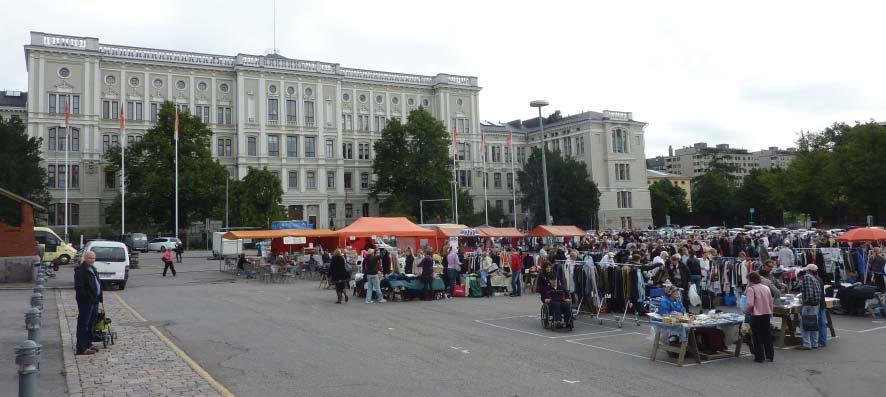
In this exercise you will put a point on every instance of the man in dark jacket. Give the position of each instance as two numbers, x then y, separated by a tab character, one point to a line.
88	293
558	301
427	274
371	275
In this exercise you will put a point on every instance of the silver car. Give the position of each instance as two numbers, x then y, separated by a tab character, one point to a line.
161	244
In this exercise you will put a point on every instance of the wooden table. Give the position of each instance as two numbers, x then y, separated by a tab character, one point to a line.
688	342
790	322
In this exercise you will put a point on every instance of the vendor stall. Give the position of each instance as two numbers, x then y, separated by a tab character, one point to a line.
686	327
367	231
509	234
788	310
289	240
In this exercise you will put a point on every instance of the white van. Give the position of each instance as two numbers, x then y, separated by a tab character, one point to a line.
111	262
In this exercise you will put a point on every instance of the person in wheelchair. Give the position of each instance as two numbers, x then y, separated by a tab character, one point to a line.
558	302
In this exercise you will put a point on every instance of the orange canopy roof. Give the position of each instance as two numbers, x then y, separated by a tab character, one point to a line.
556	231
381	226
863	234
449	231
500	232
263	234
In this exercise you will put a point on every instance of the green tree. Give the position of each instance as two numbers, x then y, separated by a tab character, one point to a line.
574	197
20	169
668	200
150	173
713	193
412	163
259	198
761	190
860	157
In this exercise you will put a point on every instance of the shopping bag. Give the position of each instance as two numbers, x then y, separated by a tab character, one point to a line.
694	298
742	302
729	299
810	322
458	291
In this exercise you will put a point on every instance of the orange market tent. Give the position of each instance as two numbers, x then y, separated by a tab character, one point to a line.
556	231
501	232
863	234
407	233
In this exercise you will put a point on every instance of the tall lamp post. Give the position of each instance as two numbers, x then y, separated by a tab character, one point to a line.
544	162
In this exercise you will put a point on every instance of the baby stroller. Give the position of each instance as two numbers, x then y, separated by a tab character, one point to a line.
103	327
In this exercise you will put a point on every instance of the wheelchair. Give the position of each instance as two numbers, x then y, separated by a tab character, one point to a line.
548	322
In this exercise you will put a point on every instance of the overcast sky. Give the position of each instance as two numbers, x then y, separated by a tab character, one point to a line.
751	74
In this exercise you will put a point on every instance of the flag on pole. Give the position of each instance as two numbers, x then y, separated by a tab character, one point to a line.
454	141
67	112
483	144
175	131
510	141
122	117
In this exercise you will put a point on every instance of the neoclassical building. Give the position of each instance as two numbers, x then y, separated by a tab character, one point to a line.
311	123
611	144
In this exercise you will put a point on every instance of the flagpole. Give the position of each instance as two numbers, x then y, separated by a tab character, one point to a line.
455	173
485	177
67	167
175	136
123	171
513	175
67	177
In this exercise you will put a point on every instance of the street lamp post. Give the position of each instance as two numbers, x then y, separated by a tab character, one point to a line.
421	208
544	163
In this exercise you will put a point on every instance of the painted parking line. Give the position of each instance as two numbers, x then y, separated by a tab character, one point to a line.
488	322
584	334
579	342
512	329
861	331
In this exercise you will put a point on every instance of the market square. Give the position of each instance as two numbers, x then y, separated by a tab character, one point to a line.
441	199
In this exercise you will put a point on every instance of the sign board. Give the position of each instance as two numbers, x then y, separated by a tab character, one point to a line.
311	245
353	238
751	210
294	240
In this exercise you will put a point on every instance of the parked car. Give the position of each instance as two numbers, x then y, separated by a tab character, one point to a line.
135	241
161	244
55	249
111	262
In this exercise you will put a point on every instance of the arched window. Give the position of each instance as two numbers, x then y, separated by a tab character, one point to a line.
619	141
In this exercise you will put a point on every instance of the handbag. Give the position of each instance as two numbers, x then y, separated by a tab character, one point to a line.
809	322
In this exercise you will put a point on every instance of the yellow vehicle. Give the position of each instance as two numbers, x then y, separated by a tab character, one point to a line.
55	247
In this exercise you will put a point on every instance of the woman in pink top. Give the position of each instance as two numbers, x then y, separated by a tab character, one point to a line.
759	306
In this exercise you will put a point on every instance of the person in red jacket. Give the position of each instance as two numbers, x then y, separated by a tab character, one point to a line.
516	274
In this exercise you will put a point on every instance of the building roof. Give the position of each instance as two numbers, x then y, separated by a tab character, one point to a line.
378	226
14	99
20	199
532	125
661	174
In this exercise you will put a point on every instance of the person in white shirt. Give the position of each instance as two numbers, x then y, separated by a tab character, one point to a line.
786	255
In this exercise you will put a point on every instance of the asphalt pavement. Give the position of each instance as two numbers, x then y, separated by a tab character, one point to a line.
263	339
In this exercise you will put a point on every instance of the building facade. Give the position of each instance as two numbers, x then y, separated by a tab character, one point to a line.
14	104
313	124
611	144
695	160
683	182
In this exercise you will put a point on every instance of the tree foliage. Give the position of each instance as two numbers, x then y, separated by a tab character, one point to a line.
150	173
256	199
574	197
20	169
668	200
713	193
412	163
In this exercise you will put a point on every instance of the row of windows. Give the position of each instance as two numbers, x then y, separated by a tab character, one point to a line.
311	180
135	111
622	172
57	141
57	176
500	205
112	140
465	180
57	214
349	210
58	103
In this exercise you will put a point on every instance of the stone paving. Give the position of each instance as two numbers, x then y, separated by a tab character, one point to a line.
139	364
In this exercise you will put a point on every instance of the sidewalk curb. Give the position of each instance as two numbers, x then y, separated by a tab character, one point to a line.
72	372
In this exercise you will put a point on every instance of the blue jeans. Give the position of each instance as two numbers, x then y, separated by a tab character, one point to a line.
810	338
517	283
373	284
822	326
85	314
452	277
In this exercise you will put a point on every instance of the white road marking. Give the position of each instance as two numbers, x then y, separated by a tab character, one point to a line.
571	382
461	349
513	329
589	333
606	336
390	329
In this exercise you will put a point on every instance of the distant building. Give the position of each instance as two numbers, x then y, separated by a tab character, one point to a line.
611	145
14	104
683	182
19	248
695	160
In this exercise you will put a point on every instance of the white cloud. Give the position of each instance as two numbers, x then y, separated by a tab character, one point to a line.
749	74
